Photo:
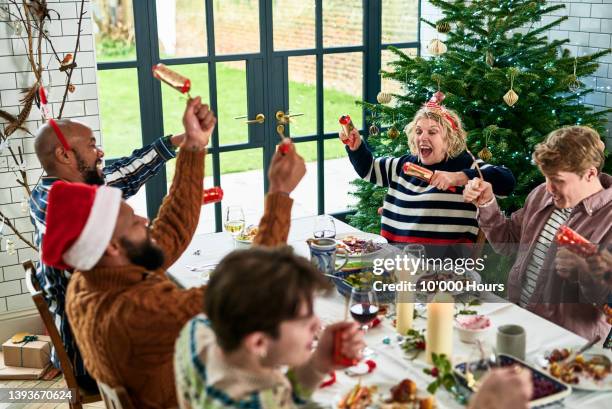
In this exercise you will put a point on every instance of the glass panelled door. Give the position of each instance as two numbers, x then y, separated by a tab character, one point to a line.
267	67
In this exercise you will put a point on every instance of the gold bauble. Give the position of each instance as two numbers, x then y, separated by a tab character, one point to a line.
573	83
443	27
373	130
383	97
490	59
485	154
393	132
437	47
511	97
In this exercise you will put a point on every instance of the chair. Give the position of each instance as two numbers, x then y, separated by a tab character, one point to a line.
34	288
115	398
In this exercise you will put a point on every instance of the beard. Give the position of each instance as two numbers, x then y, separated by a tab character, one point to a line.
91	174
146	254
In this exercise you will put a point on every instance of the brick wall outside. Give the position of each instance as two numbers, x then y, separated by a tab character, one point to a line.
81	105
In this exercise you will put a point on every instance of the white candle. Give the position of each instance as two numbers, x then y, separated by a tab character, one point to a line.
404	317
439	336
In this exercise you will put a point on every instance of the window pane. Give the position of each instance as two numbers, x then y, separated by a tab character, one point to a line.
236	27
242	182
232	103
294	24
114	30
305	194
400	21
338	175
174	102
387	84
342	23
303	95
119	111
343	85
181	28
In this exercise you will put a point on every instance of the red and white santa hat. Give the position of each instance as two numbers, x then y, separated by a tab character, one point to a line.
80	223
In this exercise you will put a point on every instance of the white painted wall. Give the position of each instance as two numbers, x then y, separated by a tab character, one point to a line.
81	105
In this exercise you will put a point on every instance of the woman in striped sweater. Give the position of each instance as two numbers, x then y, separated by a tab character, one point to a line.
416	211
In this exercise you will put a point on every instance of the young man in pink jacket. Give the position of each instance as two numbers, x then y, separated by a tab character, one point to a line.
544	278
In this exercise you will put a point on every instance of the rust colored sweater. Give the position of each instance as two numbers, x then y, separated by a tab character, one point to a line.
126	319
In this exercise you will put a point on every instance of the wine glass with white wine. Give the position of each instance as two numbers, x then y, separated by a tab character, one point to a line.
234	220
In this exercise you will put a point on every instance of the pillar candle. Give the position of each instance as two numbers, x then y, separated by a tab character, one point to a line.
439	336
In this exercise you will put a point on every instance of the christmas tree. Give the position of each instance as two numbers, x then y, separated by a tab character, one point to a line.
508	83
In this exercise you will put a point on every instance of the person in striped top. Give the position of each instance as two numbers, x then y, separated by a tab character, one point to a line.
545	278
416	211
83	163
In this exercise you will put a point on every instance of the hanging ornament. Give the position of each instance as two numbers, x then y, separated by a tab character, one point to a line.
373	130
383	97
71	88
511	97
393	132
490	59
24	206
573	83
443	27
437	47
438	96
485	154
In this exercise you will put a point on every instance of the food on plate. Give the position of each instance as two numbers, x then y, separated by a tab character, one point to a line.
597	367
366	278
473	322
360	397
355	246
404	396
248	234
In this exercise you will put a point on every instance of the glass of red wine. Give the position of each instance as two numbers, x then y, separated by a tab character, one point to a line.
364	308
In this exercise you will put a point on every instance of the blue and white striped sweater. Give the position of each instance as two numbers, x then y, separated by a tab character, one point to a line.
127	174
416	212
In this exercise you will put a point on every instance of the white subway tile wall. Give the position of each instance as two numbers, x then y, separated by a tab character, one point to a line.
589	29
15	76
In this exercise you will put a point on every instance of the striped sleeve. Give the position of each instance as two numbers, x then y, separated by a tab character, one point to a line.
380	171
130	173
500	177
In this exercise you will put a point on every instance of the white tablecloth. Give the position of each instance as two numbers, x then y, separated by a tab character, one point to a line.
393	364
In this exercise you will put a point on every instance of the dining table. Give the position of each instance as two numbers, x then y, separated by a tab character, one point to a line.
392	363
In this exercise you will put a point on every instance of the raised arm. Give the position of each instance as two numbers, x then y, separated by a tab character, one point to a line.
500	177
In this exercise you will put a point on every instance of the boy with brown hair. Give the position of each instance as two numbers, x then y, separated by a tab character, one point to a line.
259	317
544	279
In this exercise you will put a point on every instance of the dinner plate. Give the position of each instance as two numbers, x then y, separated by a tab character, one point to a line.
382	393
375	238
585	383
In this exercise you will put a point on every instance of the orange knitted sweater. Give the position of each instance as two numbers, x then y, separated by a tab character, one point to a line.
126	320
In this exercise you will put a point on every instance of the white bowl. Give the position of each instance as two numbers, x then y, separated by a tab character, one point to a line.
470	336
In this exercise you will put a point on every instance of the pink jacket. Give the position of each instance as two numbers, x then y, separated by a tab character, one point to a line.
572	304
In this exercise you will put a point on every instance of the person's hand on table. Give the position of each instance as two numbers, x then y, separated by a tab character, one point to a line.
353	140
478	191
503	388
286	170
352	345
199	122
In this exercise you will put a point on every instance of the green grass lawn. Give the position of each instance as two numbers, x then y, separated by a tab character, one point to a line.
120	113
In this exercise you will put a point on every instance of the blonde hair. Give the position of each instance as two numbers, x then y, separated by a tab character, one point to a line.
570	149
455	138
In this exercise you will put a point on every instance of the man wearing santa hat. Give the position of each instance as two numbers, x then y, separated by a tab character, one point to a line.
124	311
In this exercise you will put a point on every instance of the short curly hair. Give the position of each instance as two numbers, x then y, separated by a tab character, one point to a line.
455	138
570	149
